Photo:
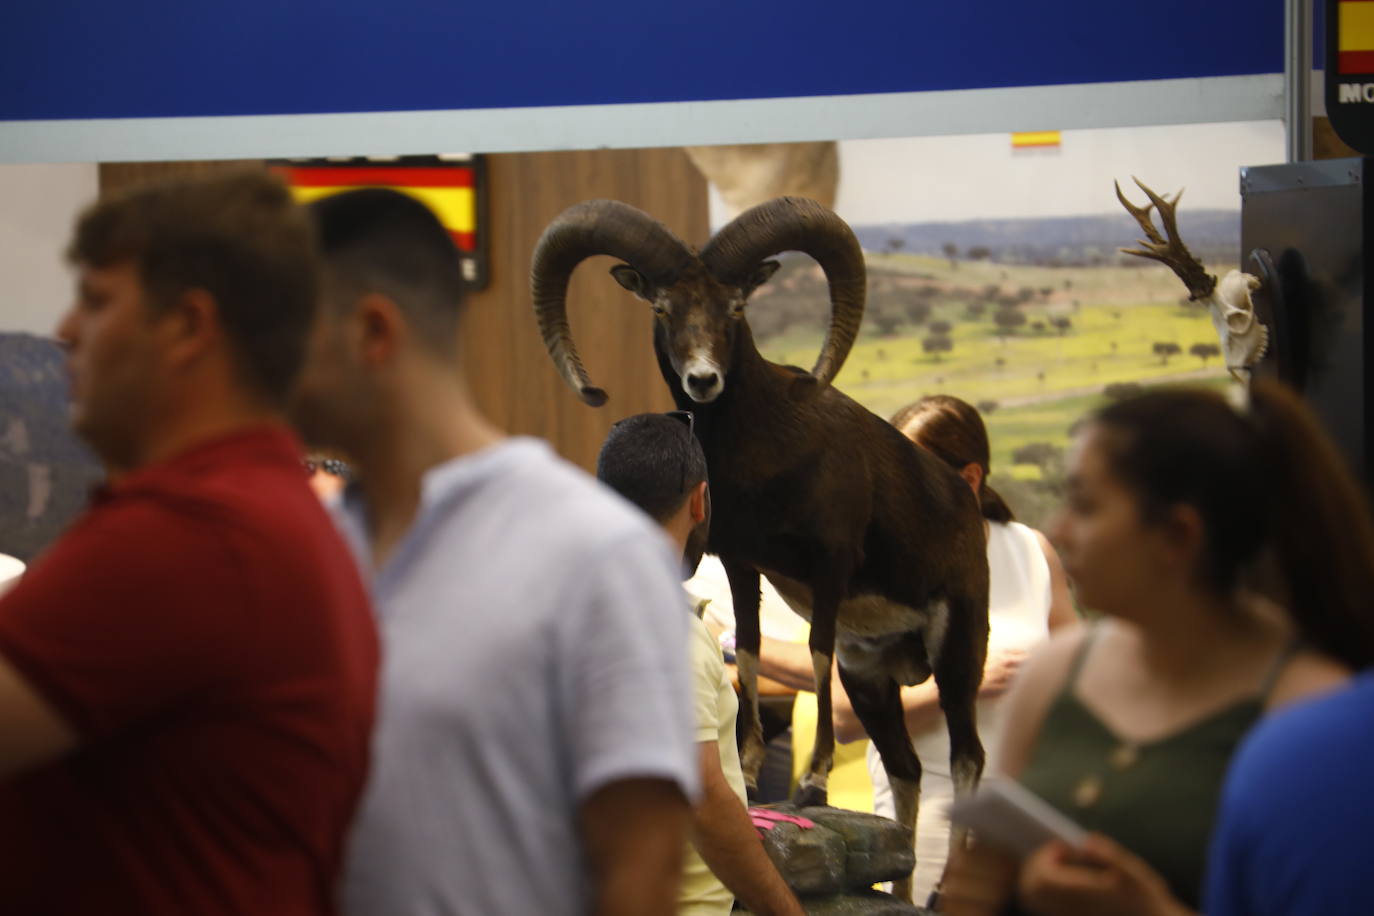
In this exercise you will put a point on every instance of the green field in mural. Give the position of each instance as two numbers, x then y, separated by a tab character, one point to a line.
1034	346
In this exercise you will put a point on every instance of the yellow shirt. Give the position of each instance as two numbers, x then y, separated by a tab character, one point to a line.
715	708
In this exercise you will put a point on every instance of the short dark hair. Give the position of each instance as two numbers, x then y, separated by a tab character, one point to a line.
654	461
240	237
384	241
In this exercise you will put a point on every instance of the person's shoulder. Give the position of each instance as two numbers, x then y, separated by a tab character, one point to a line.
1032	540
1322	725
1307	674
135	548
705	650
702	638
1040	680
1047	668
174	518
567	492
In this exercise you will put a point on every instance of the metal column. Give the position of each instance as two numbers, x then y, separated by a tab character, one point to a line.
1297	77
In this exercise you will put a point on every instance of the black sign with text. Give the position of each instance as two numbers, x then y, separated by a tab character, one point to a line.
1350	71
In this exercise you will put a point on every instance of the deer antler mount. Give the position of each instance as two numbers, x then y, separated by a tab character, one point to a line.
1244	339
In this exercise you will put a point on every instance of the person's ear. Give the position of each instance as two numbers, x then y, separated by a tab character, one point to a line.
191	325
380	329
698	503
1185	535
973	476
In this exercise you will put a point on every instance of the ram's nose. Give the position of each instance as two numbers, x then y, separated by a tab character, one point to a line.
702	383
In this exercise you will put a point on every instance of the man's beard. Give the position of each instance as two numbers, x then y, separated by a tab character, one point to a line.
695	547
696	541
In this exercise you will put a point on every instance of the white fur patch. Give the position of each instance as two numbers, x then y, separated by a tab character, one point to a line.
698	364
748	665
820	667
864	615
965	777
937	628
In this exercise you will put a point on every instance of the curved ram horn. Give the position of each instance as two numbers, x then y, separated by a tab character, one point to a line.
590	228
798	224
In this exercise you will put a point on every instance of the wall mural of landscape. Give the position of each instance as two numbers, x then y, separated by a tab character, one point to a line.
988	282
1034	321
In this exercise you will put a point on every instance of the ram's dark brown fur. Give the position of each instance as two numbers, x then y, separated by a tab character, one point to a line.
877	541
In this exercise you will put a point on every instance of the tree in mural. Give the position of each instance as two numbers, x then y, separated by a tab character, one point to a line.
1116	391
1165	349
1047	456
936	344
1204	351
917	311
886	323
1008	319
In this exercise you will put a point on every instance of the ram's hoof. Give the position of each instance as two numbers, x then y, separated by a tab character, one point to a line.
809	796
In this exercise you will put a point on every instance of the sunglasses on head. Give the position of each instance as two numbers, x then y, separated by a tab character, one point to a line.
689	419
329	466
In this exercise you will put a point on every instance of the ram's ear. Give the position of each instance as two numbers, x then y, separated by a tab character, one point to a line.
632	280
759	276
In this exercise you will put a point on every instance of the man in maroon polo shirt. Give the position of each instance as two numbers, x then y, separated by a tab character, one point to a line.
187	676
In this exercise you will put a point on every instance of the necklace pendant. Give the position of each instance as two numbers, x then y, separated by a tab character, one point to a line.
1124	757
1088	791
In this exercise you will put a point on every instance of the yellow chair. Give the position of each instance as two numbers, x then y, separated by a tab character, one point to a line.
850	786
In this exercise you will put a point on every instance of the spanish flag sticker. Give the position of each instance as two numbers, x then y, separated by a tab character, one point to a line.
447	190
1029	139
1355	36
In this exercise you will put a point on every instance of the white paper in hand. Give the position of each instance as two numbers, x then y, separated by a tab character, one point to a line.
1005	814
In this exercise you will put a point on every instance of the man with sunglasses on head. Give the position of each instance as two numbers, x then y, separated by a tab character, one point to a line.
533	745
655	462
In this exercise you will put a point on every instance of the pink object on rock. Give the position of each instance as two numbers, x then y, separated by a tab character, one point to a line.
766	819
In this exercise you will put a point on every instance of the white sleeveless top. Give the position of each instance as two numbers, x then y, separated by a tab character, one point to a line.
1018	616
11	568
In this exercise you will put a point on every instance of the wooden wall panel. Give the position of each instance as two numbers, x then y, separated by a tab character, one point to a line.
512	377
511	374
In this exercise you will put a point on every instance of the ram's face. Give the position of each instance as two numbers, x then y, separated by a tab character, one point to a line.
696	322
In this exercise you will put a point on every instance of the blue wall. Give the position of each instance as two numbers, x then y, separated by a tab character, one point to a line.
63	59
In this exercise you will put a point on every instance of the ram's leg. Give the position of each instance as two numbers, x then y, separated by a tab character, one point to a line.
877	702
813	788
744	594
958	666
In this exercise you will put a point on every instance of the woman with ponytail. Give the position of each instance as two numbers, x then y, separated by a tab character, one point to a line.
1232	558
1028	596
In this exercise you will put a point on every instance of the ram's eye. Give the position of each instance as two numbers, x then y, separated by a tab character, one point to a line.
659	310
737	310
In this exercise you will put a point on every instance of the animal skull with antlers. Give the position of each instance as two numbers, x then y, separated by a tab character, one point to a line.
1244	339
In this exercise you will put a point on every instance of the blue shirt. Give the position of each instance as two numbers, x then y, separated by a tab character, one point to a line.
1297	813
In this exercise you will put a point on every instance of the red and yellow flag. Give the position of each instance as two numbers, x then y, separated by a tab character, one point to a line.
1355	36
447	190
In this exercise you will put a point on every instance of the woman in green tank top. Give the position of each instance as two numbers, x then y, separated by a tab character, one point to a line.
1127	725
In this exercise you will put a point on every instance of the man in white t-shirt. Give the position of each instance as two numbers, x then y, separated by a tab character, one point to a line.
655	462
533	749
